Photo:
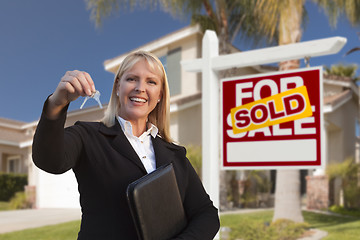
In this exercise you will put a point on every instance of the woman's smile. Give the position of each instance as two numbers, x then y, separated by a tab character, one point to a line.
138	99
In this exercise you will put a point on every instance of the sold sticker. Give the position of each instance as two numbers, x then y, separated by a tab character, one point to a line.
280	108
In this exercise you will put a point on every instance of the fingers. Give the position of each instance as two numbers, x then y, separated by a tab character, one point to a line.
90	82
72	85
78	82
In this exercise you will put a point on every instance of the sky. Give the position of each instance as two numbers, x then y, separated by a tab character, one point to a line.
42	39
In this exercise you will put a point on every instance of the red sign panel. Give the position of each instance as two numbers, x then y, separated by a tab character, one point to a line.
273	120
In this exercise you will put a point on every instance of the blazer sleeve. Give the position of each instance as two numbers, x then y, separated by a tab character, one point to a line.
203	218
55	150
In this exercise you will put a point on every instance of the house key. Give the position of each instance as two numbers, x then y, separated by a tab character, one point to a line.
95	96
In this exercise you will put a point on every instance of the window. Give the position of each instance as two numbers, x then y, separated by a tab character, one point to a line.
13	164
171	62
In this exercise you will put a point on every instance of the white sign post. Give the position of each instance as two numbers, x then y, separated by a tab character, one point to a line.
211	62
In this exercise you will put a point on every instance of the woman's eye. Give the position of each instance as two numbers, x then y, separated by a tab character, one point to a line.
130	79
152	82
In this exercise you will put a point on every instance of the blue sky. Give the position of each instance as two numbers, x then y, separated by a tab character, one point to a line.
42	39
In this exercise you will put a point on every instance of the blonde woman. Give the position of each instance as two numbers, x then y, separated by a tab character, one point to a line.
131	140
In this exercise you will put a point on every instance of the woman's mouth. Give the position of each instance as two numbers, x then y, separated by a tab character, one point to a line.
139	100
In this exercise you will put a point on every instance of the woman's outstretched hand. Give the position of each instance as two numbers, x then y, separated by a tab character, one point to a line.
71	86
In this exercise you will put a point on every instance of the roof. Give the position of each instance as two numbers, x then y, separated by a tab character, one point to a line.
338	78
341	81
16	133
15	124
333	102
181	103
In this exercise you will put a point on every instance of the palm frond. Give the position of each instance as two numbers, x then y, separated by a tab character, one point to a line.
342	70
352	50
181	8
335	8
104	8
204	21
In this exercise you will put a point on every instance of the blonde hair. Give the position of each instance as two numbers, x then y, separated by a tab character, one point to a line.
160	116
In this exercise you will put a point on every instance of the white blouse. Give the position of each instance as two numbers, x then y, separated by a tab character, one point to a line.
143	144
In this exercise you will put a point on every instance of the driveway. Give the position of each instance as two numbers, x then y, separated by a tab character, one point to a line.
31	218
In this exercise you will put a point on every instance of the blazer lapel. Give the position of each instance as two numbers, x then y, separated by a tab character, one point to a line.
121	144
163	154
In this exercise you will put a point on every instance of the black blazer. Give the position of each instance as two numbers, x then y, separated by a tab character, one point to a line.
104	163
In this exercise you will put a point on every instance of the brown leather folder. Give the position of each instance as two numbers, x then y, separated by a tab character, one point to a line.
156	205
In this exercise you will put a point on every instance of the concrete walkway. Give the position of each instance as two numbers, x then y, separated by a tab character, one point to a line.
31	218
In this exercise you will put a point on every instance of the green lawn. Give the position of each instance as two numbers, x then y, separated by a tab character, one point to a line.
4	206
64	231
343	228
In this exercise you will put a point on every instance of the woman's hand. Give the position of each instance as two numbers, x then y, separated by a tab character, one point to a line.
72	85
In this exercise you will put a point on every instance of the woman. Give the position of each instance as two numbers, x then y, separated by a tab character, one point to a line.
132	140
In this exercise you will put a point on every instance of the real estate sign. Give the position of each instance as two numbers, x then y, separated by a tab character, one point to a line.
273	120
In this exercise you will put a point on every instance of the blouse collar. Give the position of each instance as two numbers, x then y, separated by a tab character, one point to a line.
127	128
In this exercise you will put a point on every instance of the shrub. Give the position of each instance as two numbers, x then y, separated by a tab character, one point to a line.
193	153
19	201
355	212
11	183
347	171
281	229
256	183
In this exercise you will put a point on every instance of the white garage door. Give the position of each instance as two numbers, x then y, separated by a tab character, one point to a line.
57	191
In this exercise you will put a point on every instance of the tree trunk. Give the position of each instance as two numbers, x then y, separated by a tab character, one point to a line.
287	190
287	196
225	188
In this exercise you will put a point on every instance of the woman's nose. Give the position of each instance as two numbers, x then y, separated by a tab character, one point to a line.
140	87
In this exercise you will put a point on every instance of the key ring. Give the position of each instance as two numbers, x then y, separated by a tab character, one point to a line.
96	96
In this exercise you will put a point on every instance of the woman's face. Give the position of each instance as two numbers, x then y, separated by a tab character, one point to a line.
139	91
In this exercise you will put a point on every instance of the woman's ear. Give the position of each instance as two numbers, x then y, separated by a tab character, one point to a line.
160	95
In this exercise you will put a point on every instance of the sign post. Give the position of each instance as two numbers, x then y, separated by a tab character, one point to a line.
211	62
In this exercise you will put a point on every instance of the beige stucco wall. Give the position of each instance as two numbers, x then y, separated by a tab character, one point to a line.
190	49
341	132
341	141
87	114
189	126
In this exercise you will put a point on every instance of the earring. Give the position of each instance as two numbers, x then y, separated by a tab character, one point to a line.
158	100
117	94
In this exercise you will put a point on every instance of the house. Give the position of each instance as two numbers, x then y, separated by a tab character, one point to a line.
15	145
60	191
341	114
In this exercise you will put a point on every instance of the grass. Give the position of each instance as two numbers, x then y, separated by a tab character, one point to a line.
63	231
4	206
344	228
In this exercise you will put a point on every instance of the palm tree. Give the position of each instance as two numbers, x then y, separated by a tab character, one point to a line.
273	20
284	18
342	70
228	18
